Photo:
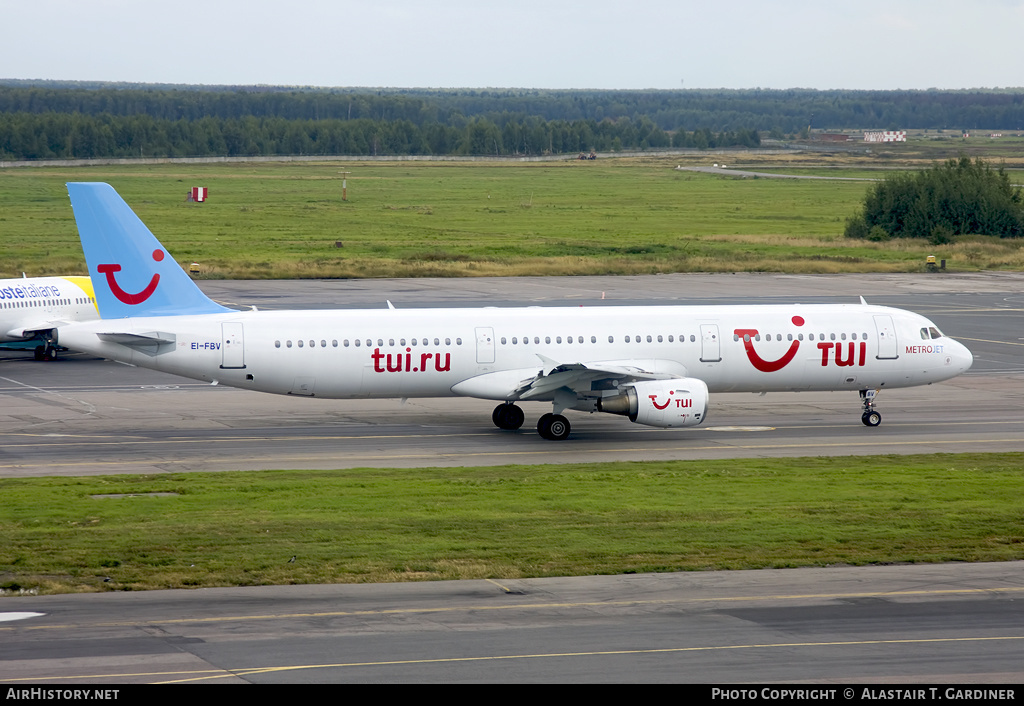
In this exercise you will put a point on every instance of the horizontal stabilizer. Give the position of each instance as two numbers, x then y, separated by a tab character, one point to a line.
135	340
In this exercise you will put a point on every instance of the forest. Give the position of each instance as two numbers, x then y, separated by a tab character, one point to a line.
52	120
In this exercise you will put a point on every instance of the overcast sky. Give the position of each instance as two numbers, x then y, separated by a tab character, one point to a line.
871	44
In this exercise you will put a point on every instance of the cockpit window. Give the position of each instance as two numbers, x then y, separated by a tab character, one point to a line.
934	332
924	334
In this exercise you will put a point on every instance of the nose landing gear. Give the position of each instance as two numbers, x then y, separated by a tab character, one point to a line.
871	416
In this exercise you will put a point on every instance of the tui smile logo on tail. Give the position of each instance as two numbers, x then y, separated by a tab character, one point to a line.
767	366
128	297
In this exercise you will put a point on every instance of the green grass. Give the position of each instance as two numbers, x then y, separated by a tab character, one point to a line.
616	216
370	525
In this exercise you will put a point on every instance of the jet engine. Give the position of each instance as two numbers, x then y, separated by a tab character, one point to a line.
682	402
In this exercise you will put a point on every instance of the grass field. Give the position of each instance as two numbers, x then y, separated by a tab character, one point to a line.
370	525
612	216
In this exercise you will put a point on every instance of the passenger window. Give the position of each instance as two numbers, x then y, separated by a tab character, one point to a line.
277	344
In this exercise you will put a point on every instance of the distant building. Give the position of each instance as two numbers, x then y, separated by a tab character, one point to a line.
886	136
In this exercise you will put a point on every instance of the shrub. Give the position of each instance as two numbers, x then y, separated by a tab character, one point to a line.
955	198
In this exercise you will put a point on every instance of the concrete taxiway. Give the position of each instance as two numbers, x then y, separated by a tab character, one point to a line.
939	624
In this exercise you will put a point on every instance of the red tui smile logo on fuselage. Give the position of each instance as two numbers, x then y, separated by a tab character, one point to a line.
128	297
768	366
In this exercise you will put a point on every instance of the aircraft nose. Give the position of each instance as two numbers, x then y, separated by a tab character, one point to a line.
963	359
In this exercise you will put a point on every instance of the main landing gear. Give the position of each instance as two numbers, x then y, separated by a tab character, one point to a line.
871	416
508	416
47	352
553	427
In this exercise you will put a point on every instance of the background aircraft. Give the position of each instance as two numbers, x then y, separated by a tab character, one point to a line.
656	365
31	309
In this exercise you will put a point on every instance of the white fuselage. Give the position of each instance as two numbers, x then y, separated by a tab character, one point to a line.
31	305
427	352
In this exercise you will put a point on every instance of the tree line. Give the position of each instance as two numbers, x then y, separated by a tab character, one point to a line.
787	111
78	136
49	119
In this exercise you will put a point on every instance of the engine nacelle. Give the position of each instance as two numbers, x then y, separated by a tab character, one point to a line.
682	402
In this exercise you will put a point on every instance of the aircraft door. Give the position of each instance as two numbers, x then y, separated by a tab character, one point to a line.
887	346
232	345
710	344
485	345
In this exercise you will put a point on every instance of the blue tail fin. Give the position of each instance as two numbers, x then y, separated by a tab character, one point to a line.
132	274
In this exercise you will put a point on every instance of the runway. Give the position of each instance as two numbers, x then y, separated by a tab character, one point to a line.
945	623
896	625
87	416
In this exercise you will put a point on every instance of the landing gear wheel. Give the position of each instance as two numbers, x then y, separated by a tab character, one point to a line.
508	416
871	419
553	427
46	352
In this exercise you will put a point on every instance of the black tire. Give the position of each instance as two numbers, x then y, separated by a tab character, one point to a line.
871	419
508	416
553	427
514	417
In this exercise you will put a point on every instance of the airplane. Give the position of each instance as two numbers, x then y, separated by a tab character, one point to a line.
31	309
656	365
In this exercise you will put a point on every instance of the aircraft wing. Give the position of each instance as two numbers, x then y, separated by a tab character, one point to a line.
552	376
30	328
